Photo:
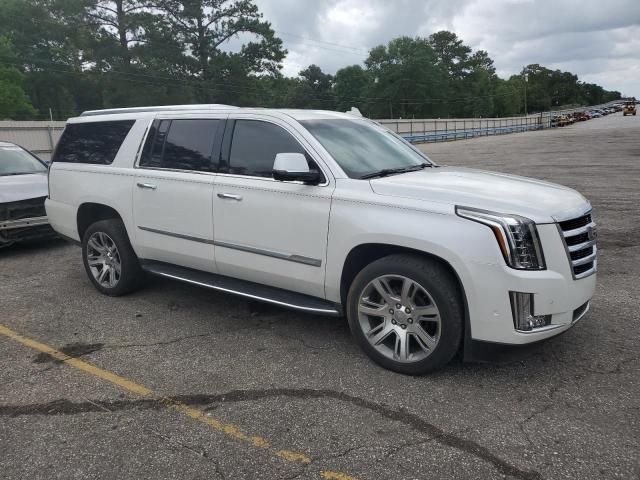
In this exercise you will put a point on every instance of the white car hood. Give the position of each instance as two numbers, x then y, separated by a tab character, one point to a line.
14	188
542	202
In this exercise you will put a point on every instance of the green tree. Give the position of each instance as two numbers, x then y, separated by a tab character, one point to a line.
317	87
507	98
14	102
205	26
451	53
351	86
45	35
406	80
479	85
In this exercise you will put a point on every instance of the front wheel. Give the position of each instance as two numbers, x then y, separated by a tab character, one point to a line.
406	312
109	259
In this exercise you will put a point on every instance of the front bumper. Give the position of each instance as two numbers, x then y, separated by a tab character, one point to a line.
33	228
556	293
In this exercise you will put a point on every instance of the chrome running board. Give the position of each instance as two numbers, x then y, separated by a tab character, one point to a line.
253	291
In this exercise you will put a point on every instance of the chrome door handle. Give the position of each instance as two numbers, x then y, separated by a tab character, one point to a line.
147	185
230	196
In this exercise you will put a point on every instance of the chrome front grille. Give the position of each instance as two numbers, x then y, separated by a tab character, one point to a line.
579	237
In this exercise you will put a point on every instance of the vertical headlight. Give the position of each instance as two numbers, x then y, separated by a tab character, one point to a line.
517	237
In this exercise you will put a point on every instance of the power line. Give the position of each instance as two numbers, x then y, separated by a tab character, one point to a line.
321	44
359	50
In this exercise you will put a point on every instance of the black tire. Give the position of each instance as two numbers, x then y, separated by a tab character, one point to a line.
131	274
439	282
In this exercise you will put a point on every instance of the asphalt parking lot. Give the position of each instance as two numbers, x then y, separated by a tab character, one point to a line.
177	382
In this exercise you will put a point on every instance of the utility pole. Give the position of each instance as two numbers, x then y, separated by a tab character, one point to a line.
525	78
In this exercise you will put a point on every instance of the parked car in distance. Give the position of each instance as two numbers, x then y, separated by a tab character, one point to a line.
629	108
327	213
23	189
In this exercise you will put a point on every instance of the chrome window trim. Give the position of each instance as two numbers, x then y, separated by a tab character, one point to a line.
174	170
290	257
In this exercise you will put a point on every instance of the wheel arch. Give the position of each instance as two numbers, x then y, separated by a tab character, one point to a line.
91	212
362	255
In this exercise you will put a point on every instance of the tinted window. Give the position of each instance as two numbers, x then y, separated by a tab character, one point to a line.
180	144
94	142
16	161
255	145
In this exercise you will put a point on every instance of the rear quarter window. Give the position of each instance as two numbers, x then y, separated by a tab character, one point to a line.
95	142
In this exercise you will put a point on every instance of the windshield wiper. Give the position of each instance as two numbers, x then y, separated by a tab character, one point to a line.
392	171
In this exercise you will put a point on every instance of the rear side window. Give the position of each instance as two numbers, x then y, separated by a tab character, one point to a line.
181	144
95	142
255	146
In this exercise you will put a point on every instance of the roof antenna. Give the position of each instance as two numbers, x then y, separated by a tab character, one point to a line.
354	111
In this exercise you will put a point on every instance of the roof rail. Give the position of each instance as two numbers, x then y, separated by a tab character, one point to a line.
160	108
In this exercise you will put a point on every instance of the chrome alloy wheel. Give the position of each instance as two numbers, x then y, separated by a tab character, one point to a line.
399	318
103	259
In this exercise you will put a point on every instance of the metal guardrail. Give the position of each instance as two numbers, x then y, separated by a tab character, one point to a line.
436	130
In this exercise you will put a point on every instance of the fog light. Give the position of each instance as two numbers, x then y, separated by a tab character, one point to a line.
522	309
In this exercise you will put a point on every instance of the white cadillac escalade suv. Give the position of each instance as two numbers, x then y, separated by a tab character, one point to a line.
328	213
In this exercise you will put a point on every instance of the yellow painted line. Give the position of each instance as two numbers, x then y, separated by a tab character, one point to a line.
79	364
335	476
293	456
227	429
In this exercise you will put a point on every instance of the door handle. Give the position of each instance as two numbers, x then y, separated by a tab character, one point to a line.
230	196
147	186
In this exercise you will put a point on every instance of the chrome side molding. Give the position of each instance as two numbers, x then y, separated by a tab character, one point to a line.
290	257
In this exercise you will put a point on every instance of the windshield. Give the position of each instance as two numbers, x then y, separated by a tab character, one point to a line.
16	161
363	148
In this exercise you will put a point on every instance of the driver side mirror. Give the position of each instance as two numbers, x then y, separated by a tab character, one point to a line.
292	167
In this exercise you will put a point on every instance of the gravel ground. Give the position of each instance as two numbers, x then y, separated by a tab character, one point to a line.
231	371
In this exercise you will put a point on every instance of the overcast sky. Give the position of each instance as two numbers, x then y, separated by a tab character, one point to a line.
597	39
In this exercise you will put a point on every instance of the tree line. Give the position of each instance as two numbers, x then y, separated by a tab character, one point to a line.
61	57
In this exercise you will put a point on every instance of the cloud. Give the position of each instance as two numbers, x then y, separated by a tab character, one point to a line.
597	40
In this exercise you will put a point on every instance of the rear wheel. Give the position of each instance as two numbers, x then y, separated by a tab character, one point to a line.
406	313
109	259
